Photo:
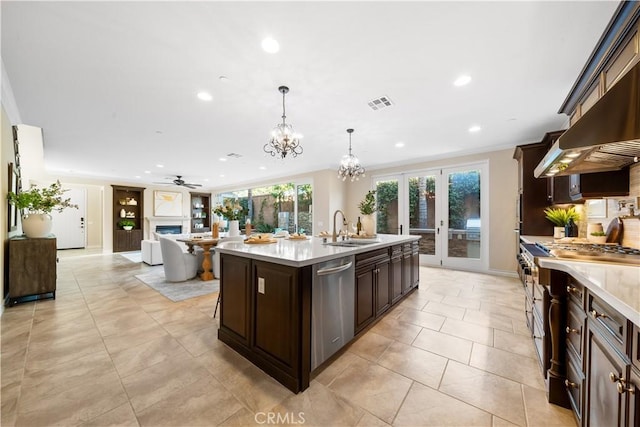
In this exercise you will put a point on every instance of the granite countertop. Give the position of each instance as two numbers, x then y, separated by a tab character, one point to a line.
618	285
300	253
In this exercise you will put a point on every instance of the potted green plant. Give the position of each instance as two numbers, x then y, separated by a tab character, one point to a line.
36	205
561	218
368	207
598	237
126	224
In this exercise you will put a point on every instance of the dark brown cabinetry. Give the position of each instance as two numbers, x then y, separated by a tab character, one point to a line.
128	204
600	184
396	273
200	212
558	190
32	269
265	316
373	290
598	343
532	191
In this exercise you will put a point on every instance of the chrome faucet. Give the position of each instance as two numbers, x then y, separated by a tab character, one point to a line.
334	237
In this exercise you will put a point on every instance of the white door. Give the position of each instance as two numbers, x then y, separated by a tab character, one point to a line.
464	217
69	225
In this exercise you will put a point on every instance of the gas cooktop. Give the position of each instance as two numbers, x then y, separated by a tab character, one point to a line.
592	252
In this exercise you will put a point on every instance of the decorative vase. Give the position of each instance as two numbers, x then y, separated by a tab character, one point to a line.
37	225
368	225
558	232
234	228
123	213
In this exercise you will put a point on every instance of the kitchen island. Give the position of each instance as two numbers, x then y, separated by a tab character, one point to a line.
270	296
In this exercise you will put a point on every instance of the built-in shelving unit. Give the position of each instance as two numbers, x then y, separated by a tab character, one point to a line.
200	212
128	204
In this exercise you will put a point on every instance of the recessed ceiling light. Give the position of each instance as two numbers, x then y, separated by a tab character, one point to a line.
223	159
147	171
206	180
270	45
223	79
263	168
205	96
221	175
462	80
137	176
399	144
476	128
159	166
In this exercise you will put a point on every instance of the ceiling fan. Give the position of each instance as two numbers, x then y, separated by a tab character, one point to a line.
180	183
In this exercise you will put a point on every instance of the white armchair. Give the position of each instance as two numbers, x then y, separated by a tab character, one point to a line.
178	265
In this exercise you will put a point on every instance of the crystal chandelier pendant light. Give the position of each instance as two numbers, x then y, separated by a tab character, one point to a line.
350	166
283	140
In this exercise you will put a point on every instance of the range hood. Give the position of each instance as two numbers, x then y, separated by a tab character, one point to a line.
606	137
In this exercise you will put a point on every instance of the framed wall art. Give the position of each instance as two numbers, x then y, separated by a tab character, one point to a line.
167	203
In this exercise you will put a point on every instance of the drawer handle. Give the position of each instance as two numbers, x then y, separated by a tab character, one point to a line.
596	315
571	289
613	377
623	390
536	337
569	384
571	330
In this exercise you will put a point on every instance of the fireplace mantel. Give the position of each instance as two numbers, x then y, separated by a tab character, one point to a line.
152	221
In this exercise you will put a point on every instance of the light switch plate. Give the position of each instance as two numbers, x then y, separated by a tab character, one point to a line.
261	285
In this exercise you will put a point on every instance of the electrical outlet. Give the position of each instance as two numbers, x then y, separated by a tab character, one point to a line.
261	285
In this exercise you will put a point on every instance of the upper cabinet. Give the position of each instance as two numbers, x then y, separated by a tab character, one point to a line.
200	212
616	54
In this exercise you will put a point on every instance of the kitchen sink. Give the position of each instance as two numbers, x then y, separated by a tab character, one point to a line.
352	243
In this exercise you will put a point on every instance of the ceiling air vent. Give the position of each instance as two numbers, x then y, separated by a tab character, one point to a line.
234	155
380	103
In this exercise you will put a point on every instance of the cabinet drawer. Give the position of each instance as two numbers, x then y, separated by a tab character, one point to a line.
611	323
528	311
575	386
575	292
575	330
541	302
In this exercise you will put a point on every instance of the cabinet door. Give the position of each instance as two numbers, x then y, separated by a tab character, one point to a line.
396	279
605	406
633	393
276	319
415	265
406	272
558	189
365	298
383	288
235	291
599	184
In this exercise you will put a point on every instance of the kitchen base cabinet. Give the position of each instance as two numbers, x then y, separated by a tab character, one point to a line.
32	269
373	290
606	407
396	273
265	315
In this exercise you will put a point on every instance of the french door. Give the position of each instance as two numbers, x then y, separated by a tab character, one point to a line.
447	208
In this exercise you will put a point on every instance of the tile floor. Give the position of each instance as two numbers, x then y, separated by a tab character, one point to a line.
112	351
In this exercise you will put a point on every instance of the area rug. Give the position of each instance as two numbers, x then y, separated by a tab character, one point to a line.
133	256
178	291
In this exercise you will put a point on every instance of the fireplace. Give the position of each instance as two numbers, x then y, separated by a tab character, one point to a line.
169	229
155	224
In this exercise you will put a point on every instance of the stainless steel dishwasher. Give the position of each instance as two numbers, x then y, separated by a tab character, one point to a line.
332	308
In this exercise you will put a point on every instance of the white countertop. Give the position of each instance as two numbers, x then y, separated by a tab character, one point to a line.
534	239
300	253
617	285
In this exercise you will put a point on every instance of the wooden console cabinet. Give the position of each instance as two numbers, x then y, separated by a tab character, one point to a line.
32	269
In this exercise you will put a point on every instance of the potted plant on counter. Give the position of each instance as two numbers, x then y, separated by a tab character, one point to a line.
36	205
126	224
562	219
368	207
